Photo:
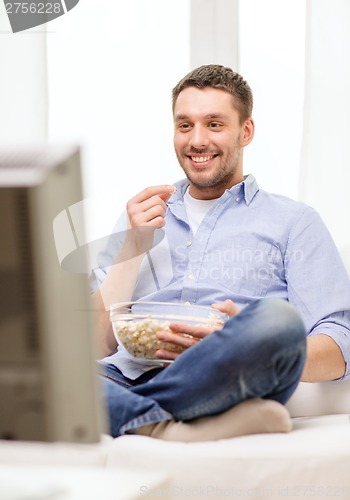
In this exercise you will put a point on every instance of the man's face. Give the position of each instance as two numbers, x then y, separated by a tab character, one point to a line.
209	140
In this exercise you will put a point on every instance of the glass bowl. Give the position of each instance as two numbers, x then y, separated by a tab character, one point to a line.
136	324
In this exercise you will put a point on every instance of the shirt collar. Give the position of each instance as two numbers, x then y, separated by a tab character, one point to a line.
249	186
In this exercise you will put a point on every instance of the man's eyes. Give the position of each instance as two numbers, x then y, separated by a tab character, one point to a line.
184	126
188	126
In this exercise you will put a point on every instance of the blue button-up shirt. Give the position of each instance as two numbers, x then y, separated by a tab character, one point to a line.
250	244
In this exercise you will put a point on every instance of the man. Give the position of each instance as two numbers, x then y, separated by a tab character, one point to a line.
268	261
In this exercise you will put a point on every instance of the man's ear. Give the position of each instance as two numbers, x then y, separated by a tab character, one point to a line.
248	132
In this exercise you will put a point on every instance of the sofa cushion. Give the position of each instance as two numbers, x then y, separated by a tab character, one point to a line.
312	461
321	398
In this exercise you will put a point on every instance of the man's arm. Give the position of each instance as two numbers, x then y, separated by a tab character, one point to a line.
319	288
145	213
324	360
118	286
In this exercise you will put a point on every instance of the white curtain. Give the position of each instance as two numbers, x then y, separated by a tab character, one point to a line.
214	32
271	42
111	68
325	156
296	56
23	85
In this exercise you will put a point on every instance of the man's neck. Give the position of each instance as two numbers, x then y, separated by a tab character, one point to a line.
211	193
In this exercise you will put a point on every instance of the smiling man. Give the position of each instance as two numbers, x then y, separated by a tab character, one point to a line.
265	260
210	135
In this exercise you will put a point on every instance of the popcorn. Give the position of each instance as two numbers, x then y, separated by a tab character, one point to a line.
136	325
140	337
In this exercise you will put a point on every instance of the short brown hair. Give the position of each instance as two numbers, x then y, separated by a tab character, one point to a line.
219	77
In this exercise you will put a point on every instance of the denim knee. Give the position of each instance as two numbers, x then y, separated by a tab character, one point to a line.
281	318
269	323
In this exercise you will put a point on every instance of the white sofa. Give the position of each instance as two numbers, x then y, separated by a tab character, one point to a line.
312	461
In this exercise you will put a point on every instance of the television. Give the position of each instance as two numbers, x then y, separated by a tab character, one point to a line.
49	388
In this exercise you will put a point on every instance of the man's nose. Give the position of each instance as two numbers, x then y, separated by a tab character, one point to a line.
199	137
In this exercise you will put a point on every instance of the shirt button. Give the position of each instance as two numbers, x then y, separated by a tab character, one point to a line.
187	303
189	243
237	199
191	277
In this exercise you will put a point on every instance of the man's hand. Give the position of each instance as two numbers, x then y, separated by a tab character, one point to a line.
186	336
145	213
182	335
228	307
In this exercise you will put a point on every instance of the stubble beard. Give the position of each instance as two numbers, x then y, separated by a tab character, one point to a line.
221	177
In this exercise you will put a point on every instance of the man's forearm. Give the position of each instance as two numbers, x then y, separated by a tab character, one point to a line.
117	287
324	360
106	341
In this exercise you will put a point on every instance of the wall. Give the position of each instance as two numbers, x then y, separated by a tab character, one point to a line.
112	66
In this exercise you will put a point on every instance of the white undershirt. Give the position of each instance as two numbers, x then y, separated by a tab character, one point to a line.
196	210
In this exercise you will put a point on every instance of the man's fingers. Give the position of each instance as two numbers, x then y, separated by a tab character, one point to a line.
199	332
178	339
141	218
227	306
163	190
149	206
182	335
169	355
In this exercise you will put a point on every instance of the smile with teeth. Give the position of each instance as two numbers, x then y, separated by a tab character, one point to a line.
201	159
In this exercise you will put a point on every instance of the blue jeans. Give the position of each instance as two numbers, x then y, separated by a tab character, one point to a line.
260	353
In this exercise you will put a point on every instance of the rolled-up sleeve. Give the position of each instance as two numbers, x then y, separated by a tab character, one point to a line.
318	284
337	327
